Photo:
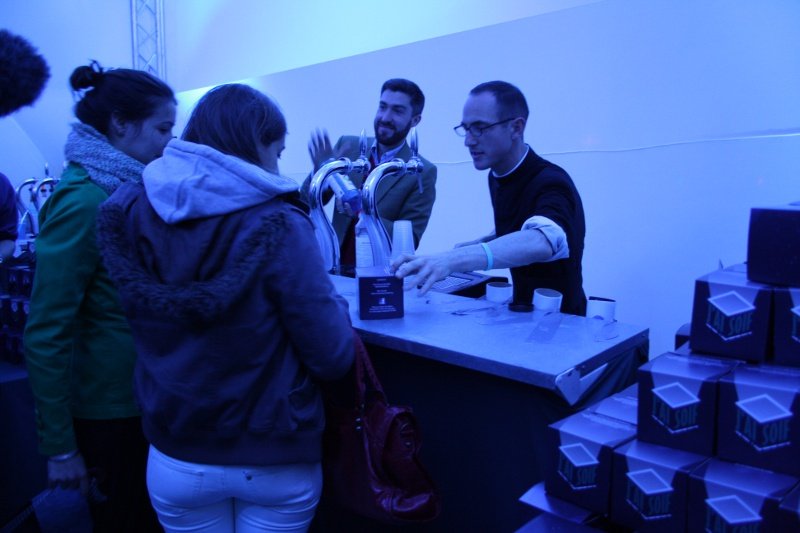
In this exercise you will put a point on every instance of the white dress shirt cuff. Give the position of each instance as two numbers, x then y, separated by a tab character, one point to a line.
553	233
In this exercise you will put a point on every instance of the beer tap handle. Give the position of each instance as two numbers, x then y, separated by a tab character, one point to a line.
413	143
362	145
415	164
361	165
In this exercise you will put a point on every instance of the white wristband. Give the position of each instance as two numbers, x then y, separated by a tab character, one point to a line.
489	256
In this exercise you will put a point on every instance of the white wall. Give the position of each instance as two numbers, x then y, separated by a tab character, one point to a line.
246	38
673	117
67	34
214	41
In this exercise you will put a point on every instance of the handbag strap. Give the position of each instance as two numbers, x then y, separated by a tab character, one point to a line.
17	521
365	373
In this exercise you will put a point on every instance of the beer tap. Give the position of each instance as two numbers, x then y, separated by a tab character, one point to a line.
378	235
29	196
43	188
28	224
323	229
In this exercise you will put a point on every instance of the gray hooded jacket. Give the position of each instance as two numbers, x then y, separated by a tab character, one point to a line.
234	317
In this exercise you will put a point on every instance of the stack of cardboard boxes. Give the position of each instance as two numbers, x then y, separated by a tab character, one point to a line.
709	438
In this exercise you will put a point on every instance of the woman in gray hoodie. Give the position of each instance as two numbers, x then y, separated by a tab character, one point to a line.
235	322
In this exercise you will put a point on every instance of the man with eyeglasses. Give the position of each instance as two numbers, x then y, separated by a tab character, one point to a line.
398	197
538	213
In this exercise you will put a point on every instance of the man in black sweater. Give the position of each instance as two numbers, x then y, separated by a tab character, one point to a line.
538	213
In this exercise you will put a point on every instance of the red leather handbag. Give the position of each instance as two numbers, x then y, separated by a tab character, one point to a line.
371	460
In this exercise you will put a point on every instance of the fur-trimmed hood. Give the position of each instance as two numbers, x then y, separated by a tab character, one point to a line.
145	291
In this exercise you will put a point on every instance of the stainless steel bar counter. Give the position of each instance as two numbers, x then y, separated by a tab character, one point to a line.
557	352
484	383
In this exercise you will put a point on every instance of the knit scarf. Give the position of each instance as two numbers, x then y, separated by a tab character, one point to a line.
108	167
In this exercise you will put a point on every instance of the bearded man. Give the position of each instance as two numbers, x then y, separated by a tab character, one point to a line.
398	196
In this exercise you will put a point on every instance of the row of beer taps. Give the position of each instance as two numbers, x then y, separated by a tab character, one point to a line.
32	193
30	196
378	235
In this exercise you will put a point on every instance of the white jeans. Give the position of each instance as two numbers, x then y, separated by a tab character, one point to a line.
221	499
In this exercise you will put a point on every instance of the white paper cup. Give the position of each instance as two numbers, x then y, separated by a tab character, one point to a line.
547	300
603	308
402	238
499	291
403	244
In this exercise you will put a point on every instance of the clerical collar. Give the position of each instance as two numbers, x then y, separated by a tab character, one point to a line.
496	175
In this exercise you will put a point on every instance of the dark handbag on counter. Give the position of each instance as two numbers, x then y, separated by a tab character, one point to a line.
371	454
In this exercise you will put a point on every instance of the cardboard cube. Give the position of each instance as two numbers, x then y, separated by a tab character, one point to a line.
678	401
621	406
759	417
651	485
789	511
380	294
682	335
26	280
786	326
549	522
15	313
773	245
733	497
538	498
578	469
731	316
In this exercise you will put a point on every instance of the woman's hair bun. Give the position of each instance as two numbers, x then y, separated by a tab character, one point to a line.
86	76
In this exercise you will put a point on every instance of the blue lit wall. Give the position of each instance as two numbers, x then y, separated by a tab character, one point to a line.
674	117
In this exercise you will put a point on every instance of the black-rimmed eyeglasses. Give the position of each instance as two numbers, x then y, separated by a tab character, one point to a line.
475	130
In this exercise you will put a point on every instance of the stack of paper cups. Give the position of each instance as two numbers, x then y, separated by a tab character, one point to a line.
546	300
603	308
499	292
403	244
402	238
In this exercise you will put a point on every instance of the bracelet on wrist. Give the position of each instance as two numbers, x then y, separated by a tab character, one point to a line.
489	256
64	456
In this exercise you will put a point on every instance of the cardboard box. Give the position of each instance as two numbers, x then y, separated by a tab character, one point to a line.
547	522
651	485
14	280
581	447
731	316
380	294
12	349
773	245
789	511
620	406
732	497
786	326
538	498
685	349
678	401
682	335
14	312
759	418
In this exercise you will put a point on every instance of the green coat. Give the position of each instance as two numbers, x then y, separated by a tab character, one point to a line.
78	345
